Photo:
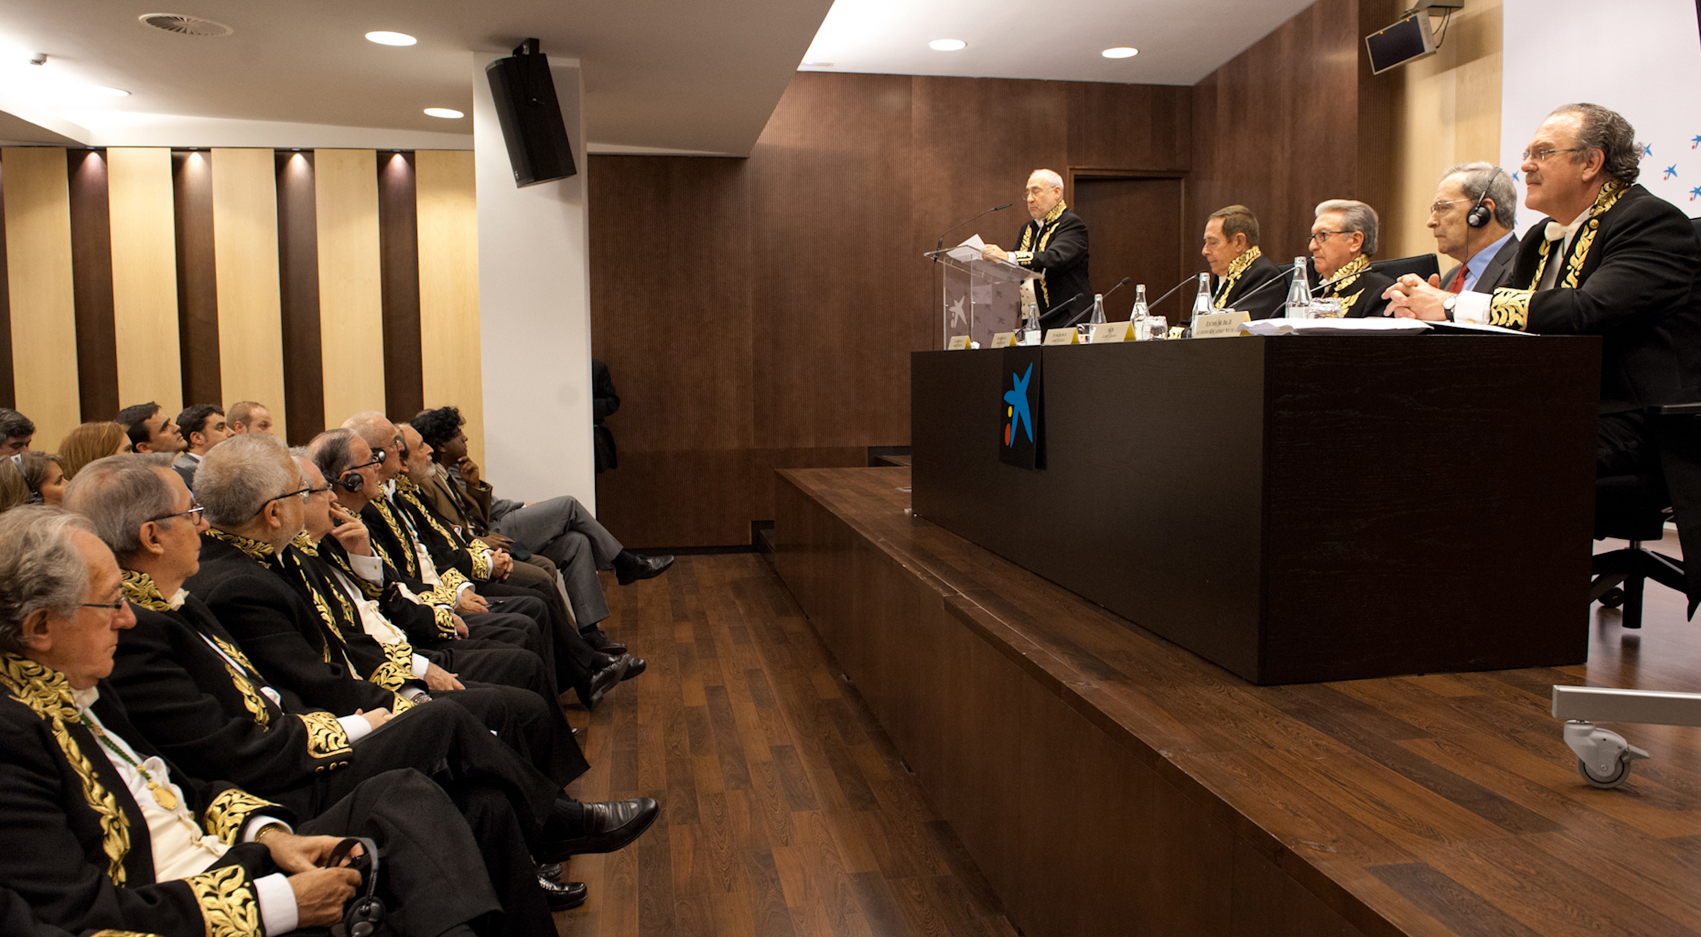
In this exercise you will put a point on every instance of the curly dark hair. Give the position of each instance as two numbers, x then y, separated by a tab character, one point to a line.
438	426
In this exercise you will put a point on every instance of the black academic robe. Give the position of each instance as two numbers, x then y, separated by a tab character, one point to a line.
1360	289
1249	290
1056	245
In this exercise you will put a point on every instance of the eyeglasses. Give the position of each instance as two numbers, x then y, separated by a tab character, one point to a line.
1321	236
194	513
377	461
1441	206
1541	156
318	491
114	606
305	493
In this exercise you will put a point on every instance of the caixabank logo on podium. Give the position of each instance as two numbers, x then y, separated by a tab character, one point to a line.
1020	407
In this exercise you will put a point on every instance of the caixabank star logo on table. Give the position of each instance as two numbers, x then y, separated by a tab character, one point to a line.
1020	408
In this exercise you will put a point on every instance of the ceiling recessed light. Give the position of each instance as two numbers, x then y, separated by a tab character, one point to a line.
110	92
386	38
947	45
809	64
1120	52
448	113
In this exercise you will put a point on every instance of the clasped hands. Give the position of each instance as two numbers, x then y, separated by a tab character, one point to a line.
1412	298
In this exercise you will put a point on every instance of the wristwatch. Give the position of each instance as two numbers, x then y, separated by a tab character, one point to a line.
1448	304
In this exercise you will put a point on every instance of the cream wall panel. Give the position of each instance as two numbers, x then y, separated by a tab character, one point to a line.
351	301
448	287
44	316
245	260
1447	111
144	275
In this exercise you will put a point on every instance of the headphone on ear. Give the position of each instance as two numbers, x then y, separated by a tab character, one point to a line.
366	912
351	482
1479	213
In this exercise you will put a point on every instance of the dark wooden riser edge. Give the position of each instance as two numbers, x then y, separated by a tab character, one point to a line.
1081	826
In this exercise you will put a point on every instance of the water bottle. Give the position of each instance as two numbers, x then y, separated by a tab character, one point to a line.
1098	310
1031	327
1299	292
1201	302
1142	312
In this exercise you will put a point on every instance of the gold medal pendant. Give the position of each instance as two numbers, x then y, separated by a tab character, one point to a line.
162	795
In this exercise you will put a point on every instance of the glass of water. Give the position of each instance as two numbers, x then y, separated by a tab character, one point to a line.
1326	307
1157	328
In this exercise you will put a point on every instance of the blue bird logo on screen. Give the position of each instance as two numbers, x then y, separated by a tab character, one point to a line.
1017	413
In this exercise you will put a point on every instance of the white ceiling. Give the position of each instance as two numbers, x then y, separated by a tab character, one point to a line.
661	76
1180	41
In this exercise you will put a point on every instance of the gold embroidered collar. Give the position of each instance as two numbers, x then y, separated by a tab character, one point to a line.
141	590
39	687
1238	267
304	543
1348	273
1055	213
257	550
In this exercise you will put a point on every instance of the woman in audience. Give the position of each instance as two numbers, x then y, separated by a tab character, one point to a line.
89	442
44	475
13	490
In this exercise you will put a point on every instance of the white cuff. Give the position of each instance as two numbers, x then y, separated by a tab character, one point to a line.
1472	308
259	823
278	913
420	666
356	726
411	693
462	590
370	568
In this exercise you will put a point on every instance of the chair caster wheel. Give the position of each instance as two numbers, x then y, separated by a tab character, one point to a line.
1613	598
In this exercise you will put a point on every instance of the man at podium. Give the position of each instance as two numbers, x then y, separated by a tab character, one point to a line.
1054	243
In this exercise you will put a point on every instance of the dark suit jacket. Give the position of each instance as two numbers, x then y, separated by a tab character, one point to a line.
1498	272
1064	262
1261	304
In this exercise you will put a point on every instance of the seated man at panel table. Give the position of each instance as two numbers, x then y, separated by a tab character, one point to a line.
99	831
247	416
1239	269
1611	259
1343	239
1055	244
203	427
1475	208
150	429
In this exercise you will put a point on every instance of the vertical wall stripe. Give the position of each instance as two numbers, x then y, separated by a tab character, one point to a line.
197	277
298	262
91	277
43	309
351	302
245	256
398	243
450	370
144	276
6	398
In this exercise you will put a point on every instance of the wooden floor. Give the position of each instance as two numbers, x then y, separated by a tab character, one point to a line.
785	810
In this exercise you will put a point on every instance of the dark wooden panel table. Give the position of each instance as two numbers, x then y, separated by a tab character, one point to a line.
1293	509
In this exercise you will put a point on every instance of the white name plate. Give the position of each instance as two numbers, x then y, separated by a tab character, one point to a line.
1064	336
1002	340
1109	332
1225	324
958	343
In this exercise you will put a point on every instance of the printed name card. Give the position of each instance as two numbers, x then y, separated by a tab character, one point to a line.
958	343
1063	336
1224	324
1109	332
1003	340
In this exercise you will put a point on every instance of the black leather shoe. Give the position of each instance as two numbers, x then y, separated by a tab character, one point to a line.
606	827
563	896
599	639
641	567
634	667
604	679
549	870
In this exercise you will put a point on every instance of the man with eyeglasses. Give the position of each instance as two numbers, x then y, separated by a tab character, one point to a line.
1472	218
1055	244
1343	239
1610	259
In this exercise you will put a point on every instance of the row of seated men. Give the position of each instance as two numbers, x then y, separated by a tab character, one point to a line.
209	691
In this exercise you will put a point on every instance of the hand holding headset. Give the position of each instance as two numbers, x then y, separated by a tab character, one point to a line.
366	912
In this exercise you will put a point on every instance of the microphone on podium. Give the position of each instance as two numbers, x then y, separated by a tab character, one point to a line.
941	245
1089	308
1191	278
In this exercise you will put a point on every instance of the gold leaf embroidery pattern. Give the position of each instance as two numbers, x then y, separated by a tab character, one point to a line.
227	901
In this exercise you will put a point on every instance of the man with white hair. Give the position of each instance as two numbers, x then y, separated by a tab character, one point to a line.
1475	208
1343	239
1054	243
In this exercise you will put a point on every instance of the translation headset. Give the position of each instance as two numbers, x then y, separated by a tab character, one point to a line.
1479	214
352	481
366	912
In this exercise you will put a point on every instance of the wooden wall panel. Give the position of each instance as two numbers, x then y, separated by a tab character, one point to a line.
144	276
91	278
450	362
298	274
39	279
245	238
351	302
6	399
197	277
398	254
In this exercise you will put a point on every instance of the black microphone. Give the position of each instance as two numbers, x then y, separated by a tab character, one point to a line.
941	245
1286	275
1089	308
1191	278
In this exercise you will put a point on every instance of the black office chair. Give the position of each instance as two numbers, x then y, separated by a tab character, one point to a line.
1636	508
1424	265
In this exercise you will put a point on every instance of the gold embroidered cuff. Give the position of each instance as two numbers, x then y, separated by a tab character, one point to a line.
227	900
445	618
396	670
400	704
1510	308
326	737
228	811
1024	258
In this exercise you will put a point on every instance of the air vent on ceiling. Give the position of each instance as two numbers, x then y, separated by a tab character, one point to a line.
185	25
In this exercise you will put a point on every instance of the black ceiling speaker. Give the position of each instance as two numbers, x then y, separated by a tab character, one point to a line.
538	148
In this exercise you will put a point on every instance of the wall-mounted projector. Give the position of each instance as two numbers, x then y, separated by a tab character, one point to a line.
1408	40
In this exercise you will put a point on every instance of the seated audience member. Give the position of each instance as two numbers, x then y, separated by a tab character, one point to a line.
246	416
1610	259
14	491
1238	266
45	477
16	431
559	528
193	691
1484	252
202	427
1343	239
150	429
88	442
102	832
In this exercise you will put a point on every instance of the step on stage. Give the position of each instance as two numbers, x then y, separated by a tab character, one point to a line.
1110	782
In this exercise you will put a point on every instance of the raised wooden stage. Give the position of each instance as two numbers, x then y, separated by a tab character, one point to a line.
1109	782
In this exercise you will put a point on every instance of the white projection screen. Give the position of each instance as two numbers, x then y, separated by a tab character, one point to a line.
1642	58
